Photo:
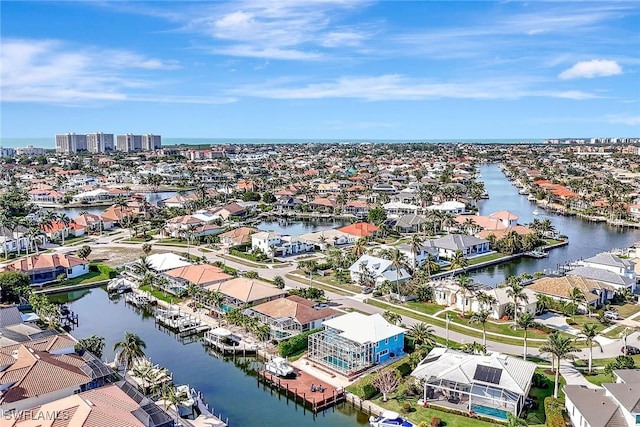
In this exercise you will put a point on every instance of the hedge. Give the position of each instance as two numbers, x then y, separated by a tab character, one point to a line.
104	270
553	409
295	344
363	388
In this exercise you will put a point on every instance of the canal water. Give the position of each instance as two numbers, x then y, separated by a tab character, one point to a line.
297	227
152	198
229	385
585	238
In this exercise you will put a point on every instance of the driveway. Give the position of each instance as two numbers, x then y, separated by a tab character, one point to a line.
558	322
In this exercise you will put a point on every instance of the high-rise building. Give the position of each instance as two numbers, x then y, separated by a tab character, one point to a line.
99	142
71	143
151	142
30	150
129	142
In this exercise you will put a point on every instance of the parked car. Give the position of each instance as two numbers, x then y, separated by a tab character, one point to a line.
631	350
367	290
611	315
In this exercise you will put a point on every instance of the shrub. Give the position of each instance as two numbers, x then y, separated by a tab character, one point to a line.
106	270
295	344
553	412
406	407
539	381
404	369
435	422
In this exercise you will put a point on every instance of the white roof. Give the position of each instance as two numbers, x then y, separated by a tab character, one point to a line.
452	365
92	193
166	261
446	206
362	329
400	205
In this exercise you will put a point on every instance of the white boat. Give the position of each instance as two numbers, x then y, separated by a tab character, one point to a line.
120	285
531	198
389	419
536	212
186	394
280	367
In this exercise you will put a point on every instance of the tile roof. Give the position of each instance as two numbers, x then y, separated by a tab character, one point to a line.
200	274
45	262
359	229
294	307
561	286
247	290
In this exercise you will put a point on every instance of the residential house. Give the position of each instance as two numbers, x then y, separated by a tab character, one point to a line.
46	197
34	373
492	385
378	269
201	275
46	268
112	405
410	223
179	201
56	229
275	245
612	405
358	208
450	206
92	223
243	292
354	342
595	292
291	316
325	238
14	239
469	245
616	281
16	327
226	211
613	263
398	209
237	236
360	229
418	259
323	205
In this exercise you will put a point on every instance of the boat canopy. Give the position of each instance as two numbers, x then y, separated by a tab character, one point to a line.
221	332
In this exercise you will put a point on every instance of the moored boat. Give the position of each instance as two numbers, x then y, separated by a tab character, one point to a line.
389	419
280	367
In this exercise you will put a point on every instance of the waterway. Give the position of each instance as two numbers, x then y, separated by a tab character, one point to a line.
586	238
229	385
73	212
297	227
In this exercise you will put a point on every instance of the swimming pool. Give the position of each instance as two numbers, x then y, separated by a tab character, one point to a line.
491	412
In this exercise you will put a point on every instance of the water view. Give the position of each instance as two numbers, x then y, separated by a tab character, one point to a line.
229	385
585	238
297	227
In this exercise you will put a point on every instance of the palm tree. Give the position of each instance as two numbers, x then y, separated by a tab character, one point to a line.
575	296
131	348
416	247
94	344
466	288
359	248
486	300
458	260
392	317
398	261
559	347
6	224
517	294
588	334
513	421
171	397
65	220
431	264
423	333
526	322
543	302
481	317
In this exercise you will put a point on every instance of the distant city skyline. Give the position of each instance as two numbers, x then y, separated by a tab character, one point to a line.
321	69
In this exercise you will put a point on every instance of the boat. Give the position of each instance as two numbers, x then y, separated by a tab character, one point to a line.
531	198
119	285
389	419
536	212
186	393
536	253
279	366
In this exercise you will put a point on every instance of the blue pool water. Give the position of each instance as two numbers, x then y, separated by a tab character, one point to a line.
492	412
337	362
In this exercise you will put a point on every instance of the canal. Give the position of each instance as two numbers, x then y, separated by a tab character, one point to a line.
585	238
229	385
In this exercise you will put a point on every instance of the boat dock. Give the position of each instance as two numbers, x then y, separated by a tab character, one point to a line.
184	323
227	342
299	389
140	298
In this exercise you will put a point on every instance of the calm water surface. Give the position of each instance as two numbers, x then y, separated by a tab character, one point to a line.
295	228
229	385
585	238
152	198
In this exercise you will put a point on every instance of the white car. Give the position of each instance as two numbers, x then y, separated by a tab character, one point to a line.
611	315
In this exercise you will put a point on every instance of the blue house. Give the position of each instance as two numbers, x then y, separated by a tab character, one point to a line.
354	342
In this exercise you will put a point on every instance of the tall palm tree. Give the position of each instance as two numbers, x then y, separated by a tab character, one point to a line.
588	334
526	322
480	318
517	294
398	261
65	220
486	300
458	260
359	248
6	224
559	347
576	296
466	288
431	264
131	348
423	333
392	317
416	248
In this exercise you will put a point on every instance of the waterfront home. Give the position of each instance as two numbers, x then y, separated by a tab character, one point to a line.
613	263
243	292
237	236
111	405
166	261
190	226
360	229
16	327
595	292
179	201
99	195
292	315
469	245
410	223
46	268
226	211
92	223
450	206
37	372
288	203
378	269
358	208
615	404
56	229
201	275
324	238
354	342
398	209
14	239
418	258
615	281
45	197
274	244
492	385
323	205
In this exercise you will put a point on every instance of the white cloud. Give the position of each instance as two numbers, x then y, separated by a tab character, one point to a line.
591	69
399	87
51	71
624	119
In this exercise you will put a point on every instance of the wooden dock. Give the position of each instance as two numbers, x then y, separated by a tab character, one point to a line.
299	389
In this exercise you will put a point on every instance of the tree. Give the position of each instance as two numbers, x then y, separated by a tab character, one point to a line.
575	296
93	344
84	252
377	215
559	348
416	247
588	334
131	348
386	381
65	220
398	261
146	248
466	288
474	348
279	282
423	333
392	317
481	317
268	197
360	247
14	285
458	260
513	421
517	294
526	322
171	397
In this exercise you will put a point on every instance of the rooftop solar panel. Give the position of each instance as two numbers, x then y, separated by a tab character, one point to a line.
487	374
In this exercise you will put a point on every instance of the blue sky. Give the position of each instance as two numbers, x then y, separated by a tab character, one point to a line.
321	69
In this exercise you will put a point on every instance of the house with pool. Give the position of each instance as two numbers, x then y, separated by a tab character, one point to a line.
354	342
492	385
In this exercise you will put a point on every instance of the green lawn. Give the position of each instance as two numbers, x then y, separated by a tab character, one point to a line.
171	299
583	363
614	333
537	416
425	307
319	285
626	310
330	280
504	328
420	414
485	258
90	277
598	378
